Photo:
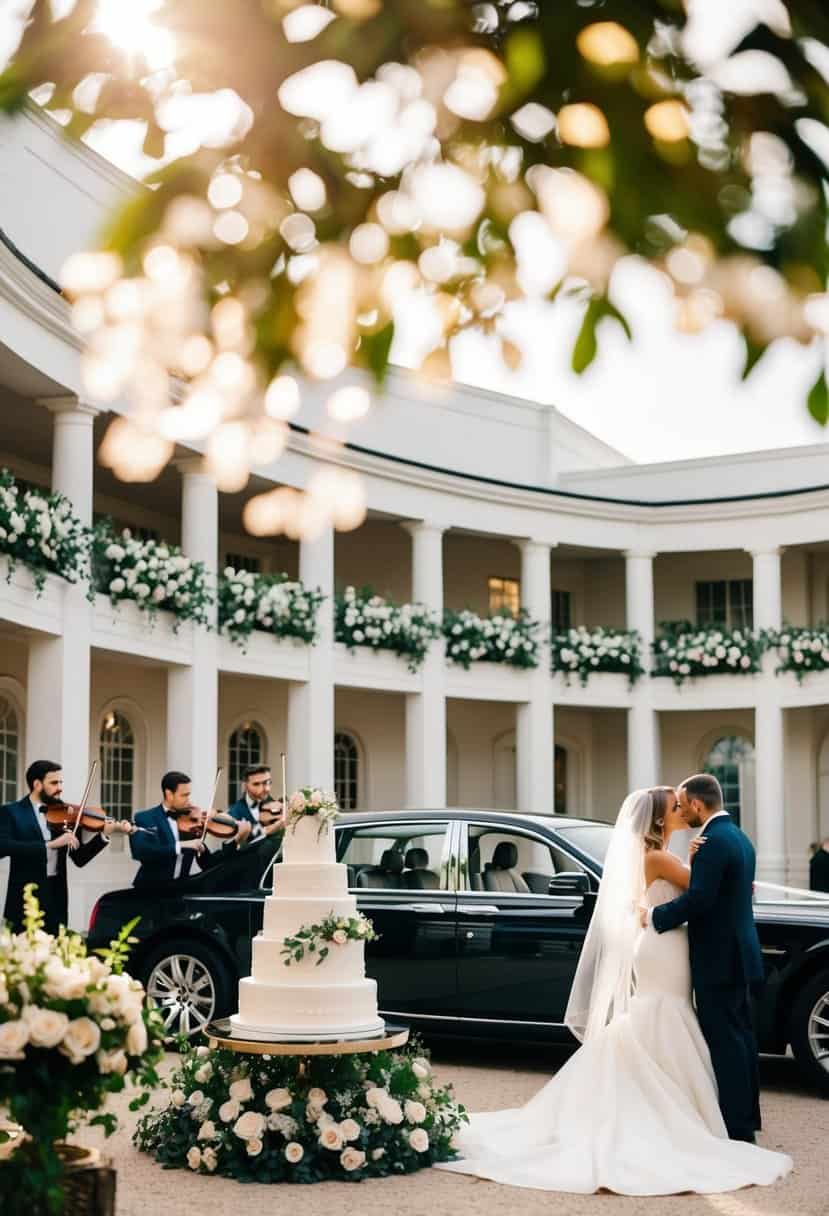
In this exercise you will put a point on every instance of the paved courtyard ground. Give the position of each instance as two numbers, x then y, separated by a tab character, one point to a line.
487	1077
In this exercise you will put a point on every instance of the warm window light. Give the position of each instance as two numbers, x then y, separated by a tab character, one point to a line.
583	125
606	43
128	27
667	121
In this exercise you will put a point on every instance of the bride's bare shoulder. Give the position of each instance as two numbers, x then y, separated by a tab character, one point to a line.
659	863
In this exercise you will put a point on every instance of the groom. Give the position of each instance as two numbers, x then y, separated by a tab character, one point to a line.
726	960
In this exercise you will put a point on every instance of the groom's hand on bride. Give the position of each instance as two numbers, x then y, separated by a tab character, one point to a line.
695	846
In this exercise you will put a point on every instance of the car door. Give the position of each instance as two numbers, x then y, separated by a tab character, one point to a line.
518	945
400	873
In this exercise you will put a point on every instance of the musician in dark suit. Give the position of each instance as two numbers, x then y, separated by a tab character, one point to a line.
38	851
256	793
156	842
819	867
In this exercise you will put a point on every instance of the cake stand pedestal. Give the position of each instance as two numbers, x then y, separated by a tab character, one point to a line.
218	1035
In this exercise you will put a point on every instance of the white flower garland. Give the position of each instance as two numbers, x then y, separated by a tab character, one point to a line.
362	618
800	650
152	574
683	652
582	651
42	531
498	639
273	603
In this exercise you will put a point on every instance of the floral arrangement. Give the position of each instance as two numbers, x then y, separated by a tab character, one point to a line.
259	1119
498	639
42	531
152	574
800	650
362	618
332	931
582	651
683	651
73	1029
273	603
310	801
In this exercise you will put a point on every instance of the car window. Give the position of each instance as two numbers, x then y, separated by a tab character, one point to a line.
394	857
513	862
589	838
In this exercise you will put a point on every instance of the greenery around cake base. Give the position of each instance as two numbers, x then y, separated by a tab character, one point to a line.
261	1118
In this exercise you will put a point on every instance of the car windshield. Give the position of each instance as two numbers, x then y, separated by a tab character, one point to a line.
591	839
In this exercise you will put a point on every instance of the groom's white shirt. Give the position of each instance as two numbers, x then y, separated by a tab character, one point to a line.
716	815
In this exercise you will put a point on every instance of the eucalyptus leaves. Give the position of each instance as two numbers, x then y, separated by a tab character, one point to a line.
333	931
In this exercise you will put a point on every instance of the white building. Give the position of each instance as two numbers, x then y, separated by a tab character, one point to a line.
475	499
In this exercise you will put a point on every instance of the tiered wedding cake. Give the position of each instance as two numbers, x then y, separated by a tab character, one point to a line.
304	1000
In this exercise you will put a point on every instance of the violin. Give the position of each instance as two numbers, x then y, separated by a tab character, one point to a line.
194	822
270	810
71	816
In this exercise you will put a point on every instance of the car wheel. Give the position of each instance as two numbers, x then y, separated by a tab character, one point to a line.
810	1030
190	985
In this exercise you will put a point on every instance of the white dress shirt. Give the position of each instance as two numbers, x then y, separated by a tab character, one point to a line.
253	807
173	825
43	826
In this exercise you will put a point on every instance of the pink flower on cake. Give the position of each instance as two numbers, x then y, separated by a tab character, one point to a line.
419	1140
331	1137
294	1152
352	1159
250	1125
339	937
296	802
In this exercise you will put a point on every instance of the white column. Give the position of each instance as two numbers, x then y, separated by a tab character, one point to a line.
426	710
534	718
58	678
193	692
310	758
643	722
768	726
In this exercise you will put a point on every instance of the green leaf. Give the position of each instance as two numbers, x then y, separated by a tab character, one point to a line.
818	400
525	60
754	353
586	347
375	349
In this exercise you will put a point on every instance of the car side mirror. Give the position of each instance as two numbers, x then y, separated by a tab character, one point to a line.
570	882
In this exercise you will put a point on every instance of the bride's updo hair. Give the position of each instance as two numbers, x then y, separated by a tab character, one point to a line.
661	796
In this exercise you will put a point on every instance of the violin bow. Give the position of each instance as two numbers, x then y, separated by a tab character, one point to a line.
93	769
212	806
284	787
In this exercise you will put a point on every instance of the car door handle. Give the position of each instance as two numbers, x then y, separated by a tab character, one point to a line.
477	909
428	909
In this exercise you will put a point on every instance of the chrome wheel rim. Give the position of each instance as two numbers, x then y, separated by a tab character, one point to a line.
182	988
818	1031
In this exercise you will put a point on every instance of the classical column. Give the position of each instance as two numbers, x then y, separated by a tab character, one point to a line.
310	758
642	722
768	726
57	726
193	691
534	718
426	710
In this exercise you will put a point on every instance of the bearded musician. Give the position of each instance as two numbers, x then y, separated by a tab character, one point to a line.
162	849
254	800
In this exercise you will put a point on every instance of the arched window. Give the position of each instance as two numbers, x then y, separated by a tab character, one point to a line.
560	780
346	771
731	761
246	747
9	750
117	753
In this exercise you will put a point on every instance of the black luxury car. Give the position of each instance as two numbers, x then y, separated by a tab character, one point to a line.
481	917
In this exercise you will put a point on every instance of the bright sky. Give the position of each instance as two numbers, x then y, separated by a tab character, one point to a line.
665	395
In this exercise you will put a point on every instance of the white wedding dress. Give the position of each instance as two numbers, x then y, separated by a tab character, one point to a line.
635	1109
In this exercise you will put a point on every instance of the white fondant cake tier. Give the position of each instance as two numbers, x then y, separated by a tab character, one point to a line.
304	842
310	878
342	965
307	1011
283	917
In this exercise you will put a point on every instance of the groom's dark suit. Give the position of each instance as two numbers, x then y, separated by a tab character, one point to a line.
726	961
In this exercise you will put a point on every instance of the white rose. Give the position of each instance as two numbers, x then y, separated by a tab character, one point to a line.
209	1159
137	1038
375	1097
204	1073
112	1061
419	1140
377	1154
196	1098
317	1097
254	1147
250	1125
65	983
415	1112
350	1129
331	1137
421	1068
178	1097
277	1099
194	1157
352	1159
46	1026
207	1131
424	1092
294	1152
241	1090
82	1039
228	1111
202	1052
339	937
13	1038
391	1111
117	586
107	1024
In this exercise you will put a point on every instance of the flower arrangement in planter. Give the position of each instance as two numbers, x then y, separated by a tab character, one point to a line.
497	639
263	1119
73	1029
42	531
333	931
362	618
273	603
152	574
683	651
582	651
309	801
800	650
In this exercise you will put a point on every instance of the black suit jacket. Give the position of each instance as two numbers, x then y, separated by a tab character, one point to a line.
155	849
718	909
819	871
22	841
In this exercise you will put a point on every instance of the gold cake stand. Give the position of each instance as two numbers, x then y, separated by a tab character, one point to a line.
218	1035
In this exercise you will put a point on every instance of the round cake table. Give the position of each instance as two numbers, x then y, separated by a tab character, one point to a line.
218	1035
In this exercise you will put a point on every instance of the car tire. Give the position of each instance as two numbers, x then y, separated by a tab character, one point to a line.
809	1030
191	984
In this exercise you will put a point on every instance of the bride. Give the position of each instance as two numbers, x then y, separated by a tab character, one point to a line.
635	1109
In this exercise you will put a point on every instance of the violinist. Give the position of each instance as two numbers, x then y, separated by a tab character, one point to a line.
258	814
38	849
163	849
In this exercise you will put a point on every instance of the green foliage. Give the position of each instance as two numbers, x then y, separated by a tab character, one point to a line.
363	618
818	401
495	639
330	931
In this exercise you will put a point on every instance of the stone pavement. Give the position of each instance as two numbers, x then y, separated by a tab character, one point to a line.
486	1077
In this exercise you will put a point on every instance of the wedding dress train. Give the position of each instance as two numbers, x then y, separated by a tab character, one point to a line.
634	1110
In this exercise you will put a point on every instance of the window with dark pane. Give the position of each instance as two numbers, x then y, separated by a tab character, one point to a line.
741	603
560	614
731	761
504	596
9	750
246	747
560	780
346	771
117	760
726	604
241	561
